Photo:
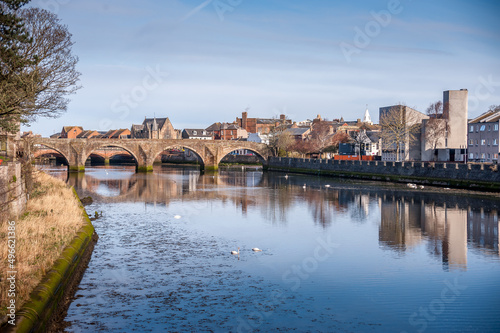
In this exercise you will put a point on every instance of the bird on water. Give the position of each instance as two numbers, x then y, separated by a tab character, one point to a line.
236	252
256	249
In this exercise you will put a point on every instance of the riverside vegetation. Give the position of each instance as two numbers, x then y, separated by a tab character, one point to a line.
50	222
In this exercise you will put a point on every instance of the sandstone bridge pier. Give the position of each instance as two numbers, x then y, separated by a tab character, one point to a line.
210	152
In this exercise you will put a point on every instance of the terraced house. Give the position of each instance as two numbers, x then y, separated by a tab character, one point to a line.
483	137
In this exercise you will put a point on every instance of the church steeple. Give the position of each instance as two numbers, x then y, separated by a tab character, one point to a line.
367	118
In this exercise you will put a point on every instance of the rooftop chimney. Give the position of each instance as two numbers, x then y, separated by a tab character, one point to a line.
244	116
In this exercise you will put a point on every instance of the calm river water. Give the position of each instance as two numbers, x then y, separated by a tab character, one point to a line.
337	256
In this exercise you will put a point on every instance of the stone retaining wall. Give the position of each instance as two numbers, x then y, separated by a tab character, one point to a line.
12	190
473	176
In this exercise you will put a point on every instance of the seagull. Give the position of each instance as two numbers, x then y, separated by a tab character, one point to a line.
256	249
286	176
304	187
327	186
236	252
177	217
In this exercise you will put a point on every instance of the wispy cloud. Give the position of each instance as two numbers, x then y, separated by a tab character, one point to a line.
270	55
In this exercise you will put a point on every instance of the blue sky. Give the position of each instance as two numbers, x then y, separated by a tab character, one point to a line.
201	61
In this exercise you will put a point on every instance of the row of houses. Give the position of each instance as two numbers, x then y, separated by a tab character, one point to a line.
77	132
463	139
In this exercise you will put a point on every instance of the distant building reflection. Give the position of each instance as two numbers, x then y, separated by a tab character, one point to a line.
445	225
447	231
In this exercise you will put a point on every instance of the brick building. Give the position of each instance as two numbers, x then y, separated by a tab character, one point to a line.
225	131
70	132
260	125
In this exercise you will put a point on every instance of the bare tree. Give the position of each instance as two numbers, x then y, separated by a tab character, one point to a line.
281	141
495	108
338	138
437	128
360	140
400	128
50	75
303	147
321	135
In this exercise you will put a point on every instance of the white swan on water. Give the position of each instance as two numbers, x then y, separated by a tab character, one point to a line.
256	249
236	252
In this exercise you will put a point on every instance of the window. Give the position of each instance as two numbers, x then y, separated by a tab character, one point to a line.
471	156
495	142
483	156
471	142
195	133
489	156
471	129
477	128
489	127
483	127
496	127
483	142
477	142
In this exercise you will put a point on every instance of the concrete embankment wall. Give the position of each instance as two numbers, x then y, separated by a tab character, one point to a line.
50	297
473	176
241	159
236	159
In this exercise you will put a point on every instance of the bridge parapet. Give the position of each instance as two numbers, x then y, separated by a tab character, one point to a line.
211	152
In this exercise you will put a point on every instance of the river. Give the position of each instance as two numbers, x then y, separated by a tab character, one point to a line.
337	256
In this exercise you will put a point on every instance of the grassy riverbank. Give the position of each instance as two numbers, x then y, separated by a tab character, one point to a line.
50	222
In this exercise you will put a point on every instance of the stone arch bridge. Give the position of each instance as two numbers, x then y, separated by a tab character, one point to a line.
76	151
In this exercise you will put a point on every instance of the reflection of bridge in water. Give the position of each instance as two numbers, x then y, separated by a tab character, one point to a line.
448	226
145	152
157	187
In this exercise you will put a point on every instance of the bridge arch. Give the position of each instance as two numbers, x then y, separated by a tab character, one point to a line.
94	148
158	151
38	151
229	150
